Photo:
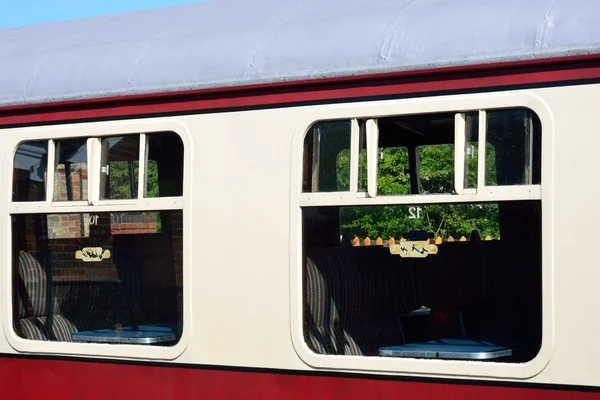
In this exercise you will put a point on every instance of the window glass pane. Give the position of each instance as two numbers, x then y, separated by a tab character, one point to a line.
164	171
514	135
120	167
409	274
68	226
491	178
362	157
29	171
98	277
128	223
70	170
325	169
343	169
471	149
440	220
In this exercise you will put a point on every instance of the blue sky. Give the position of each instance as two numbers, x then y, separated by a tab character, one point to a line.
26	12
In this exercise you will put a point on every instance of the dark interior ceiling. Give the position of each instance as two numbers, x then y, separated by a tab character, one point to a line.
416	130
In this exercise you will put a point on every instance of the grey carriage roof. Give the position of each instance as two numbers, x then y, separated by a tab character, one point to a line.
238	42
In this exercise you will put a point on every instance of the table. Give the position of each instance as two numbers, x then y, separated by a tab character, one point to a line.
453	349
144	334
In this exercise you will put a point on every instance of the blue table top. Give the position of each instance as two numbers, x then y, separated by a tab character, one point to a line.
144	334
457	349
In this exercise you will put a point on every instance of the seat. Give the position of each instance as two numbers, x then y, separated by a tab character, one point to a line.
355	298
35	321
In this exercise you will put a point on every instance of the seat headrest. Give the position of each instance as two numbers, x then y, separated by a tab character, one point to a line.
32	303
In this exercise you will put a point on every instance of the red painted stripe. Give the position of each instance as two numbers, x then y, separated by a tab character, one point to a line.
443	80
53	379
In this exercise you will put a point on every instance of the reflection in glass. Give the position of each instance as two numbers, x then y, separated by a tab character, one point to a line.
471	149
514	135
441	220
29	171
70	170
327	157
164	170
85	272
120	167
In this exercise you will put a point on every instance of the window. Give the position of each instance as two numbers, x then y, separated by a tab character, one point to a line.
326	170
30	172
95	259
435	240
120	167
70	170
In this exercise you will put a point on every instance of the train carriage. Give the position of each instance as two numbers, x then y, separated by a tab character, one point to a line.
299	199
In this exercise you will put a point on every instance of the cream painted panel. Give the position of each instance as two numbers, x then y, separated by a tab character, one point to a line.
576	198
241	251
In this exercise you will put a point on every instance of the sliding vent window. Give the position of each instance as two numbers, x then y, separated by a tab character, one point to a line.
327	157
70	170
30	168
120	167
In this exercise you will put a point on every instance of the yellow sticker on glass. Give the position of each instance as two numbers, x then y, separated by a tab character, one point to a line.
419	249
92	254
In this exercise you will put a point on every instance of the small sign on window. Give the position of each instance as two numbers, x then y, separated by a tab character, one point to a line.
92	254
419	249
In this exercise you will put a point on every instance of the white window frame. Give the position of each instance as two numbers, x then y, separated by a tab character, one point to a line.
13	138
383	109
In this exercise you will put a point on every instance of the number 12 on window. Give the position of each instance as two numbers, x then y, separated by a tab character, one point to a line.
414	212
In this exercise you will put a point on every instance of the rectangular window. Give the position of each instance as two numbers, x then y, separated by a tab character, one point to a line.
110	276
459	267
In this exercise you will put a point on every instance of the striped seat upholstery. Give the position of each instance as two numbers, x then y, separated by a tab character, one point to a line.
32	305
354	298
31	328
31	298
